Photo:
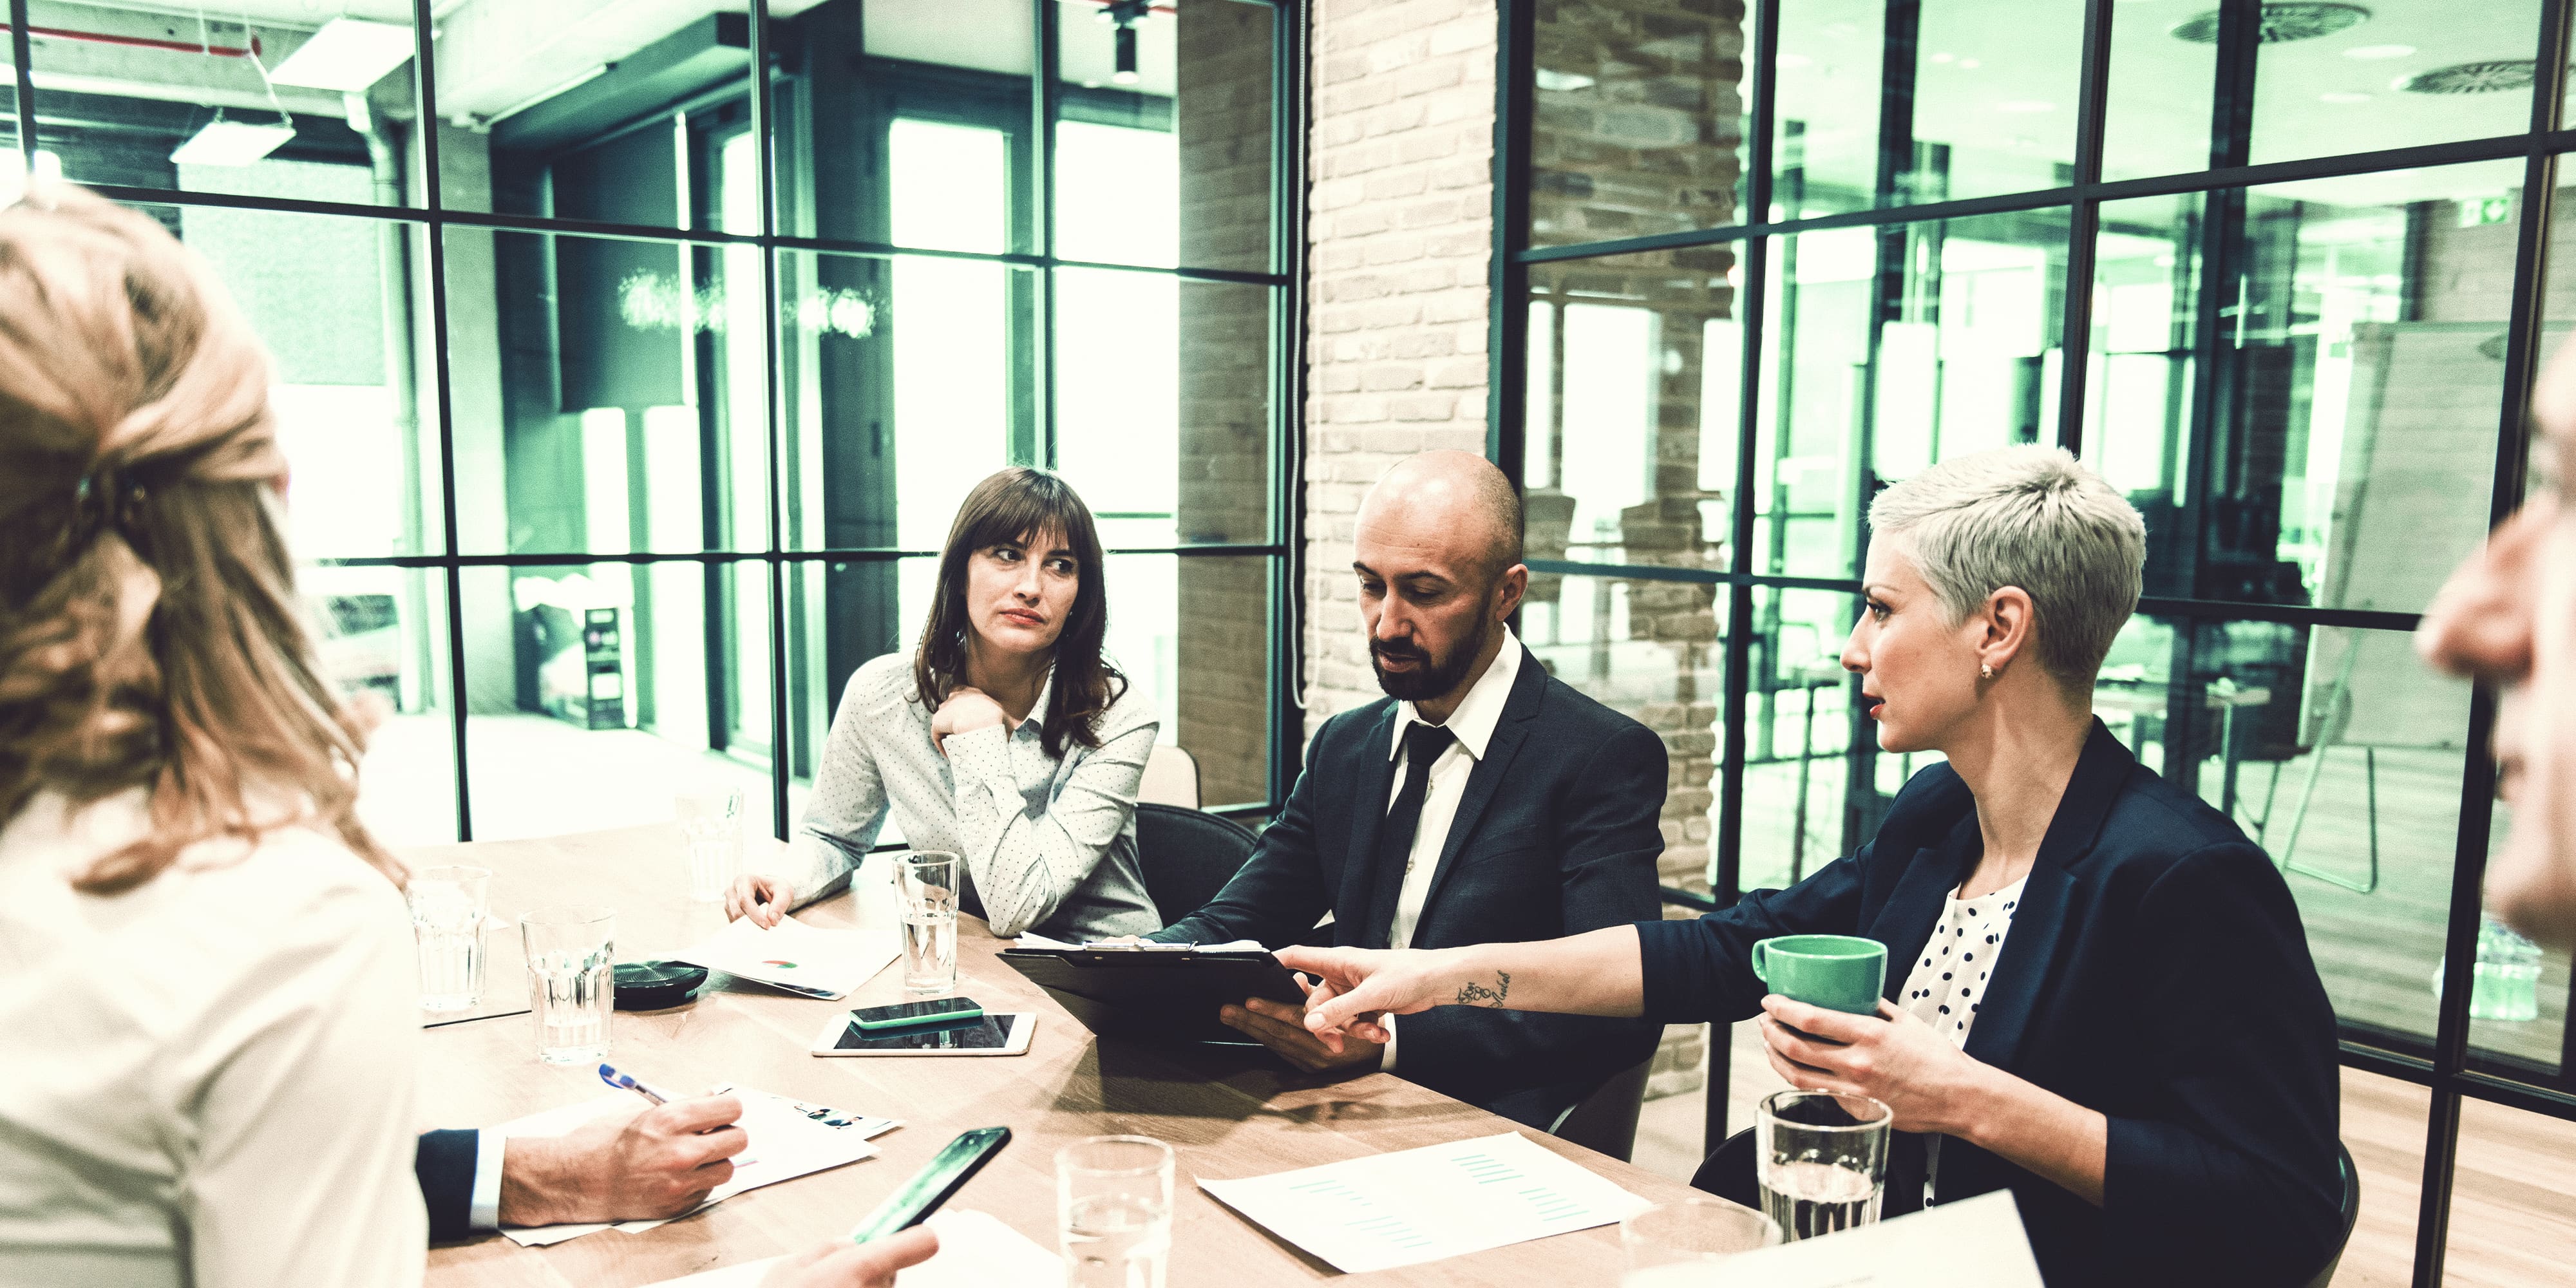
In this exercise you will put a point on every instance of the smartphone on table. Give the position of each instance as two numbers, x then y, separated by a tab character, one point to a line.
943	1010
946	1173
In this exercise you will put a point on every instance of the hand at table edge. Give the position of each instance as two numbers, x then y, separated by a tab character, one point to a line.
842	1264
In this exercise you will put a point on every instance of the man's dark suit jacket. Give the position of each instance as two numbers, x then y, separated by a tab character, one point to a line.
444	1165
1557	833
2156	971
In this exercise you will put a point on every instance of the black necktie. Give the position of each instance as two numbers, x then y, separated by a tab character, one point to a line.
1423	744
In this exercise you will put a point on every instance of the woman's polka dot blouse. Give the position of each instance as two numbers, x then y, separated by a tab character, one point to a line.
1948	982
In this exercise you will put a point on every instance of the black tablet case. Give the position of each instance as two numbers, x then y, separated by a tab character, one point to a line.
1159	995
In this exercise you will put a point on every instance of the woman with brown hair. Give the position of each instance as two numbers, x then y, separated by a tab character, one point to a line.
206	975
1006	738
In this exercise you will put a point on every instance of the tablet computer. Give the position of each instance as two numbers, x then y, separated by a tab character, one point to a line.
987	1034
1158	995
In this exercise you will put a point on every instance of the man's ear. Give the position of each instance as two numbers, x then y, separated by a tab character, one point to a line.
1508	590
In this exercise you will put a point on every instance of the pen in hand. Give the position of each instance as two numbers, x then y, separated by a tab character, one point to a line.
611	1075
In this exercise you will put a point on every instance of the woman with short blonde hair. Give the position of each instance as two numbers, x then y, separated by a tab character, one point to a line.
2097	993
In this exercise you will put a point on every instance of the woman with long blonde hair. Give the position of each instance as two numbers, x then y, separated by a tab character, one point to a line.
205	964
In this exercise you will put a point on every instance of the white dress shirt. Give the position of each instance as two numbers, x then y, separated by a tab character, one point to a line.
1471	729
208	1078
1048	843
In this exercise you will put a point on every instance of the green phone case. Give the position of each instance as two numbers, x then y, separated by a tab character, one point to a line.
971	1011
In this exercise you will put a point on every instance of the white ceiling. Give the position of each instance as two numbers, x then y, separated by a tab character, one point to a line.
2012	114
496	55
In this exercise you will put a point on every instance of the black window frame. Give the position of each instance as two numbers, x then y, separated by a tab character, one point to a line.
1284	279
2445	1065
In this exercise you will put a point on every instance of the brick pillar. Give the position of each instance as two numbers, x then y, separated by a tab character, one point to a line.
1401	233
1222	114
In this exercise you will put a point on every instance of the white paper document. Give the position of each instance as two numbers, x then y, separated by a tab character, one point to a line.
975	1251
795	955
1420	1205
1973	1243
785	1139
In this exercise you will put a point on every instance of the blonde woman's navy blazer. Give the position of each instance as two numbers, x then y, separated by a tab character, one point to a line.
2156	971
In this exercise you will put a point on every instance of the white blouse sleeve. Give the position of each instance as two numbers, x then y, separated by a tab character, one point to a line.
298	1095
849	804
1023	851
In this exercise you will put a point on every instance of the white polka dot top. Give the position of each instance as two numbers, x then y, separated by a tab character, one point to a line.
1948	981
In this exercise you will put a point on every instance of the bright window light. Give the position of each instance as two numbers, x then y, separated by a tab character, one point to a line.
13	173
225	142
347	54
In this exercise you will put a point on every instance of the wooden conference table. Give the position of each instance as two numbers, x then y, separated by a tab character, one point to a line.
1228	1113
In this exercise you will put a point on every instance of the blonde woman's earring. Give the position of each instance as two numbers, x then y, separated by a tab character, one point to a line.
1985	671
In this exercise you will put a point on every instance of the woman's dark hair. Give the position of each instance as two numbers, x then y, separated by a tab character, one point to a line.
1017	506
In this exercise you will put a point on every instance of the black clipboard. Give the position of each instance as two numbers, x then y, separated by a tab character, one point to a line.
1157	994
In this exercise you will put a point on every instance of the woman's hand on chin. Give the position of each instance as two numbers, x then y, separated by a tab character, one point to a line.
965	711
1892	1057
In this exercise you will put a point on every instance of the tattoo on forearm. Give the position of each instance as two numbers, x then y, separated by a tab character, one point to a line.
1475	994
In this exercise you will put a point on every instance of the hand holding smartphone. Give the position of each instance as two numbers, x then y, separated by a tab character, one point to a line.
947	1173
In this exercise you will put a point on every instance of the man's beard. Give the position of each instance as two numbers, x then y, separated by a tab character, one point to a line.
1428	679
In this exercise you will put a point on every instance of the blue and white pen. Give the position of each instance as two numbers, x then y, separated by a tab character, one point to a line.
609	1074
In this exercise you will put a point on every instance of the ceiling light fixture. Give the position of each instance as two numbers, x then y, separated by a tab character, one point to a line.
347	54
224	142
2278	24
1123	15
2491	76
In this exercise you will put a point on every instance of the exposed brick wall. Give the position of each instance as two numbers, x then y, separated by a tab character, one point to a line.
1400	235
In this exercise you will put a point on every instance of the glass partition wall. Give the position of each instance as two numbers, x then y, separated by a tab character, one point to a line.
2280	271
632	360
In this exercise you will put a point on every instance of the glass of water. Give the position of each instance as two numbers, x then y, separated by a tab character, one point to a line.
1821	1159
710	819
1114	1211
925	884
569	953
448	906
1671	1245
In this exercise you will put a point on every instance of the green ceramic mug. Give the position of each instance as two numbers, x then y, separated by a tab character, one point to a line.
1837	972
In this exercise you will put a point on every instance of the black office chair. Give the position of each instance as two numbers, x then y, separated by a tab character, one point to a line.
1188	855
1728	1171
2351	1213
1729	1174
1606	1120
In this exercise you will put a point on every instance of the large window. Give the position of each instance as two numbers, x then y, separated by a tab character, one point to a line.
2279	271
632	360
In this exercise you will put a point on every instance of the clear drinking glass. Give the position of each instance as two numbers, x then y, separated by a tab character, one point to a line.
448	906
1114	1211
1822	1160
925	883
569	990
710	818
1671	1245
